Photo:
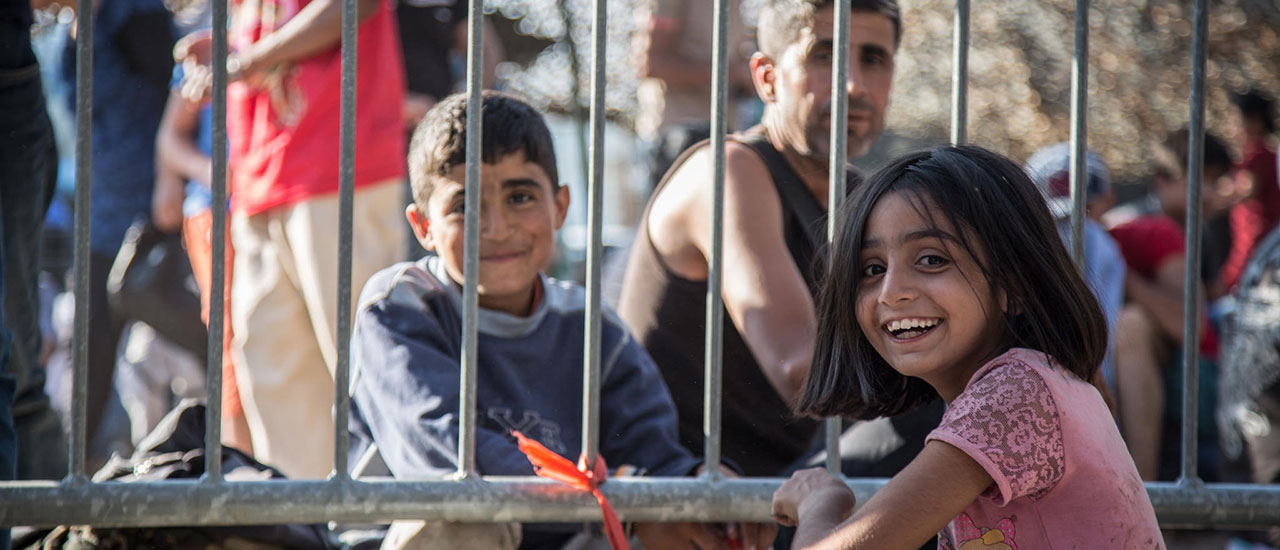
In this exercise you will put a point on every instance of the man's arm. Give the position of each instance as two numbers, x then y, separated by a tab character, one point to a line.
1161	297
314	29
407	392
765	294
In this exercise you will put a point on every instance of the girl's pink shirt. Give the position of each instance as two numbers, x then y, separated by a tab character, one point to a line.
1063	477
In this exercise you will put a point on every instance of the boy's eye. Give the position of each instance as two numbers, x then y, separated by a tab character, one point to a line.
521	197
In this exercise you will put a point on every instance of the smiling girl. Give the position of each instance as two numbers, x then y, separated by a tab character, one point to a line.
947	279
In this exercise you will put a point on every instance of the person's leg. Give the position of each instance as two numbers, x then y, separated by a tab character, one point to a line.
8	385
1139	350
286	391
28	174
196	237
104	336
377	242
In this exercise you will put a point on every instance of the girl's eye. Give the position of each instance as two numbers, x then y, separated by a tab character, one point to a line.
456	208
933	260
872	270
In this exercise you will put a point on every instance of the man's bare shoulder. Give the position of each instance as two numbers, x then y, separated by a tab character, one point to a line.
679	219
691	188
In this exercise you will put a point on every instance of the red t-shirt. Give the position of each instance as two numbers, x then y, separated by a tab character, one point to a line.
1147	242
1255	216
283	136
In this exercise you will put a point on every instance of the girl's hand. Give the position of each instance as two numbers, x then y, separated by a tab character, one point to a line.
810	491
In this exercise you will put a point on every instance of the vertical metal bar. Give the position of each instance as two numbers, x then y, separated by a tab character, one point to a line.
1079	128
346	198
713	373
218	238
84	183
595	250
471	248
836	169
1191	277
960	76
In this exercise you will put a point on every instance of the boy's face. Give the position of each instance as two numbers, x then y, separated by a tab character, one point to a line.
520	211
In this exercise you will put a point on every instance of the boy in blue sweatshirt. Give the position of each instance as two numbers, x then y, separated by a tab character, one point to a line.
407	340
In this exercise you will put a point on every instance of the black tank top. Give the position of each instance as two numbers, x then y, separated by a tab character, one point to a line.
667	314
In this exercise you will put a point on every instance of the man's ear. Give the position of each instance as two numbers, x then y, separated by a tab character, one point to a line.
421	226
562	205
762	75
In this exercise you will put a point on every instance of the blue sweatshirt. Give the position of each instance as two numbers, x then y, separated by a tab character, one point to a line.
405	354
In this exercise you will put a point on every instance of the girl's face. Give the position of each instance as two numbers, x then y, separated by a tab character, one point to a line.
923	302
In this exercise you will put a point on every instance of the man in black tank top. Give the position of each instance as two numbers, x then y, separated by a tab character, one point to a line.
776	182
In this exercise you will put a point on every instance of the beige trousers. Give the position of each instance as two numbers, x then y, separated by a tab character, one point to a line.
284	311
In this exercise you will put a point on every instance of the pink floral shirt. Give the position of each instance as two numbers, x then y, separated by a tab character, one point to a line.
1062	477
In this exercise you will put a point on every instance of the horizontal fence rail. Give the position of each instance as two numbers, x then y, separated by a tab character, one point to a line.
177	503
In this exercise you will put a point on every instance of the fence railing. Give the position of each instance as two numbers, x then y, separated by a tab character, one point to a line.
469	497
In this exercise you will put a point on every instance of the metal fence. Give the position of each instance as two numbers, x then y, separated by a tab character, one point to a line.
468	496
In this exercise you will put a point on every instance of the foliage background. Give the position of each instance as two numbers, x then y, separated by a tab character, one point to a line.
1020	65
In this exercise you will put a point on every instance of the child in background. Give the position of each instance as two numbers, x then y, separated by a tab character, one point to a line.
183	200
931	295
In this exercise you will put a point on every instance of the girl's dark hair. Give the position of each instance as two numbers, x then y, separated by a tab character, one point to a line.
1001	221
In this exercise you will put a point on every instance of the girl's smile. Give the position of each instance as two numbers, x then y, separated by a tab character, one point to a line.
911	328
923	302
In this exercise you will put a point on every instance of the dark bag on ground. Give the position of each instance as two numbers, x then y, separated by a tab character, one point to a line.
175	450
151	281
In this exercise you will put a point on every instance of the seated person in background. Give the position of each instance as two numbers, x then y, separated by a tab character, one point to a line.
1149	330
407	342
1050	169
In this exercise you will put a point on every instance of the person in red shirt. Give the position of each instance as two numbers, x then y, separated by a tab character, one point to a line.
1149	331
1259	212
283	115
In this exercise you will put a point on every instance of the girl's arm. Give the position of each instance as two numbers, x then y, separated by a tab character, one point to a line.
917	503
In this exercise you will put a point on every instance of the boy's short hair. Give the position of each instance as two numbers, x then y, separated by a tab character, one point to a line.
1169	160
509	126
783	19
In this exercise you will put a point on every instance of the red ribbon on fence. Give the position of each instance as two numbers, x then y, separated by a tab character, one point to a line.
550	465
